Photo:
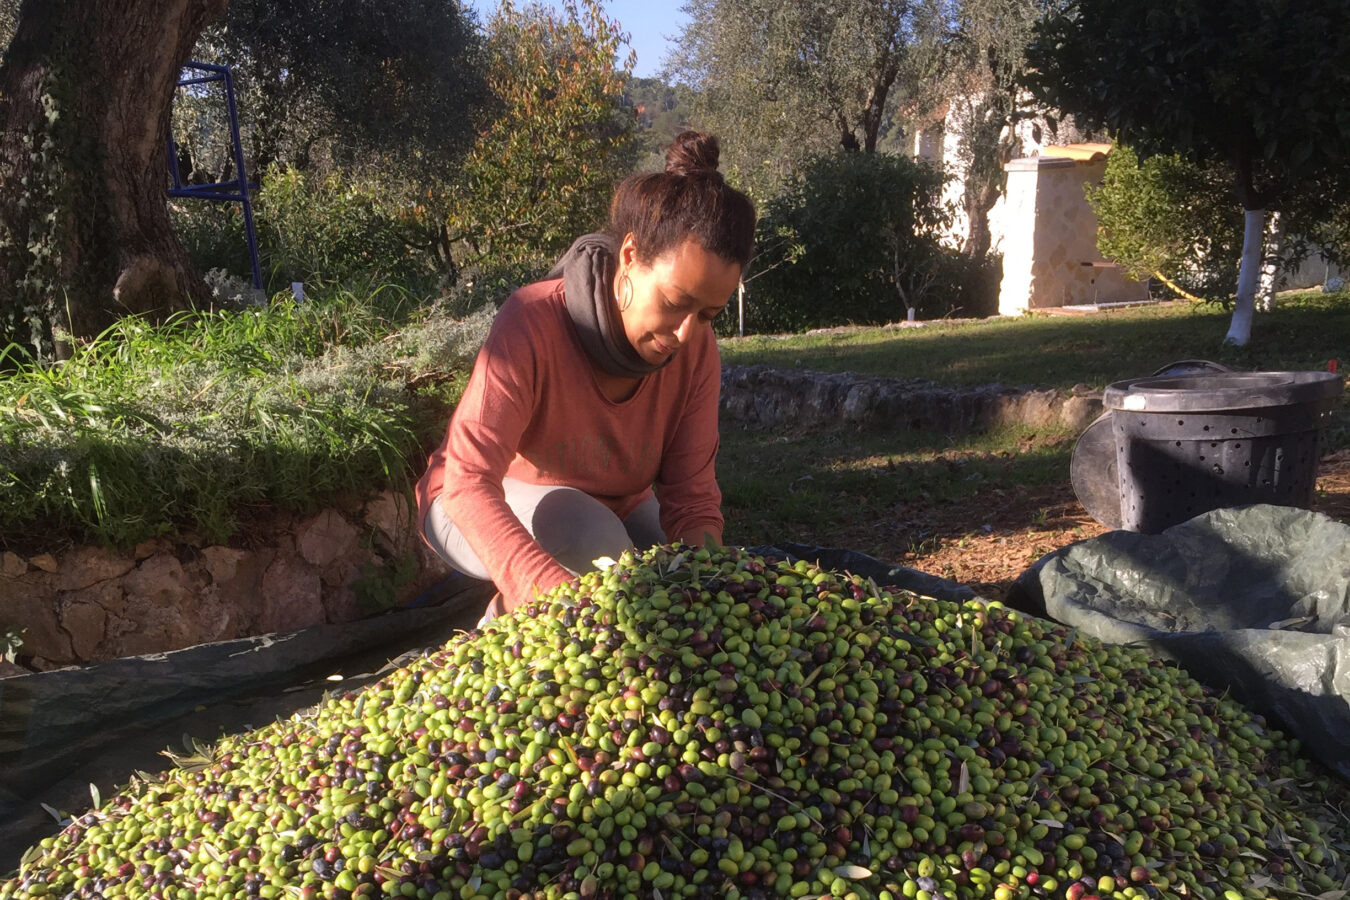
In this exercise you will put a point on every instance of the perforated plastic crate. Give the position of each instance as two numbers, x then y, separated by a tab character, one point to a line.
1192	443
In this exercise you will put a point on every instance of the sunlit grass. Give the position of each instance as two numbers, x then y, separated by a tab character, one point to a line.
776	487
1304	332
202	421
197	422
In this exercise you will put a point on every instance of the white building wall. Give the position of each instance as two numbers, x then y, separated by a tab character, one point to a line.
1050	255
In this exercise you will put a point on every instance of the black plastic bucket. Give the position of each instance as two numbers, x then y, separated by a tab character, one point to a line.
1188	444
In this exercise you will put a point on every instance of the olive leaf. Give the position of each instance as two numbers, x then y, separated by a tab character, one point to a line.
853	873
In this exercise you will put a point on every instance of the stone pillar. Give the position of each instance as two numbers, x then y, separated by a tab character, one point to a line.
1050	253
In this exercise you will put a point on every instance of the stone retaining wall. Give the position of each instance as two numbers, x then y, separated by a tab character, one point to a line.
765	397
91	603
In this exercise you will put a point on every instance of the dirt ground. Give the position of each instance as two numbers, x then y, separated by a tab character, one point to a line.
1025	525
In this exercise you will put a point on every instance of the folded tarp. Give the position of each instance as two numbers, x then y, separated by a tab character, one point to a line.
1253	600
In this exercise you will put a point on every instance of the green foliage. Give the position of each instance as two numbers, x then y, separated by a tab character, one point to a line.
786	81
1234	80
855	239
1246	83
336	82
339	229
1171	216
542	173
336	229
198	422
663	111
213	235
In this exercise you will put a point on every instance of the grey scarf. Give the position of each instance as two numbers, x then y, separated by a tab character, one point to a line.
587	270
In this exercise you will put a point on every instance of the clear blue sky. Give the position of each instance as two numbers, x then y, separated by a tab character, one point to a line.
648	23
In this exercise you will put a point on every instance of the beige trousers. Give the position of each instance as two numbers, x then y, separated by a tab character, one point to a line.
570	525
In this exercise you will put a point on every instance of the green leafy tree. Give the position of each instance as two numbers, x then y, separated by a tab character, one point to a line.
542	172
343	104
663	111
790	79
854	239
346	83
84	224
977	81
1254	85
1168	217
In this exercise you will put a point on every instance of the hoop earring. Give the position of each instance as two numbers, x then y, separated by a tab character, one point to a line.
627	294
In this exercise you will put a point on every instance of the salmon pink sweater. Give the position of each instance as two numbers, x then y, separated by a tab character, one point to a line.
534	411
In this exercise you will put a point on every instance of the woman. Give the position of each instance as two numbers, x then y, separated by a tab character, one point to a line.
589	424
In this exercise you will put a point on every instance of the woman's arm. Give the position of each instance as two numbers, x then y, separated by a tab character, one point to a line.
481	441
686	486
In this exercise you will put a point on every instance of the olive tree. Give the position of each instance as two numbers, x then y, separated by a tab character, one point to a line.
1256	86
977	81
791	79
400	83
85	93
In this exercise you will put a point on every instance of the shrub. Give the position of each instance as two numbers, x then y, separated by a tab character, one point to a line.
336	229
213	235
854	239
1171	216
542	172
341	229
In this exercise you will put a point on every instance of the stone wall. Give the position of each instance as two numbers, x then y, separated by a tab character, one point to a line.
765	397
91	603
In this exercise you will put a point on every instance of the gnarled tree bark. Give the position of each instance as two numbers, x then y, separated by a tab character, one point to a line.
86	88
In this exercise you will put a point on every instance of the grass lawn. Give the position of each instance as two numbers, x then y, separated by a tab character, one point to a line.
1303	332
982	507
348	392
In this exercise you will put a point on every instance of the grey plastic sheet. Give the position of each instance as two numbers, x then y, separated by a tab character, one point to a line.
1254	600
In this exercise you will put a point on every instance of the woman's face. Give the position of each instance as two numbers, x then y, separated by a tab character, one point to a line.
681	292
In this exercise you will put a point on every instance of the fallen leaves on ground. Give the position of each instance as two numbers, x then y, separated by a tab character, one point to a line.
988	540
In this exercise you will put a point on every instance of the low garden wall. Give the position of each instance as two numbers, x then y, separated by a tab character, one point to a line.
91	603
765	397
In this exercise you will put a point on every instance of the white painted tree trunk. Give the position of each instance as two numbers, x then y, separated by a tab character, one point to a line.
1240	329
1270	264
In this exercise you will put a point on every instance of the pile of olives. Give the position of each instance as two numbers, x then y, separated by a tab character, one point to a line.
709	723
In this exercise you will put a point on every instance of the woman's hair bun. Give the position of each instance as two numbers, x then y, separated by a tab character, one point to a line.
692	153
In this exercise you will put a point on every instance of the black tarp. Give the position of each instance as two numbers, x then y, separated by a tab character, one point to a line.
883	573
63	730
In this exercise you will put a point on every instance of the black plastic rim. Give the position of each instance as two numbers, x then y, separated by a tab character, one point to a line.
1222	391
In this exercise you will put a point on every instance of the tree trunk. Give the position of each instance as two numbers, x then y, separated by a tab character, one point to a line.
86	88
874	107
979	199
1240	329
1270	263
